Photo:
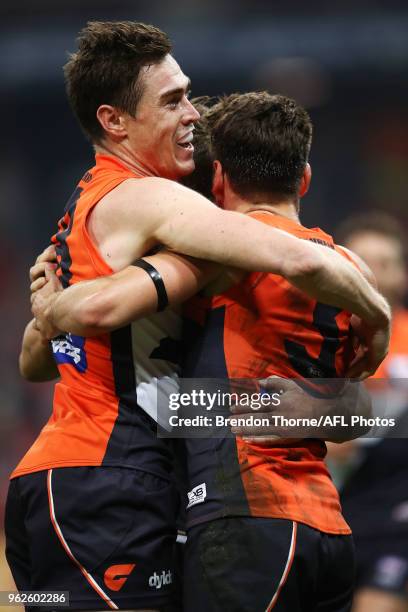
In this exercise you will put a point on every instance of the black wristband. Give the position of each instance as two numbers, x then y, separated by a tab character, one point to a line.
162	298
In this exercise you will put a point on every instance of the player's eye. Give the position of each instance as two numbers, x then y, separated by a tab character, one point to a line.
173	103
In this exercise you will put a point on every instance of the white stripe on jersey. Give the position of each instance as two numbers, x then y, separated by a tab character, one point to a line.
156	378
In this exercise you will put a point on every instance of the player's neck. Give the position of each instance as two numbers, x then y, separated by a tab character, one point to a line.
128	159
276	204
288	209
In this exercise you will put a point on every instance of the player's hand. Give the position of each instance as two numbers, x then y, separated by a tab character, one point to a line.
290	397
46	260
42	302
373	345
316	416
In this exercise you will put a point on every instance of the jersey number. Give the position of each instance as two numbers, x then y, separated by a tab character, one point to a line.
324	319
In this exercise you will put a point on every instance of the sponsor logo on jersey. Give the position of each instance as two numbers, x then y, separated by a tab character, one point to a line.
70	349
116	575
197	495
157	581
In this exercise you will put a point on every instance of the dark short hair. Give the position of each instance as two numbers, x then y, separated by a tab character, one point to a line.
201	179
370	222
106	68
263	143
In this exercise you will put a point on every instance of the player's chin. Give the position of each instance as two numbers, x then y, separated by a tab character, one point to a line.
185	166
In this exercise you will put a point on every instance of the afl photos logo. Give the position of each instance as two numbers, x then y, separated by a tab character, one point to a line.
116	576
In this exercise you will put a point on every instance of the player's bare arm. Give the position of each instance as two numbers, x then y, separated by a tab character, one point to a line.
101	305
373	342
302	262
36	362
184	221
362	266
81	314
93	307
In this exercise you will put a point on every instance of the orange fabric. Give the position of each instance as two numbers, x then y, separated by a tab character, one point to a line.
395	365
85	405
261	314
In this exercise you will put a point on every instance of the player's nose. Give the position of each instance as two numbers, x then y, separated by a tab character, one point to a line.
191	114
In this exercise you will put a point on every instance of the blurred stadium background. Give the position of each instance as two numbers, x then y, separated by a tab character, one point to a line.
346	61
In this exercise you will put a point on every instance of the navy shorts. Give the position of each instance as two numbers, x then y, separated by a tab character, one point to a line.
105	534
246	564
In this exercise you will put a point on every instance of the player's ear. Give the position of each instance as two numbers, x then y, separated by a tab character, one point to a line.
113	121
305	181
218	183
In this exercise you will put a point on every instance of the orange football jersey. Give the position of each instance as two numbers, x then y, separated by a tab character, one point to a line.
263	327
105	401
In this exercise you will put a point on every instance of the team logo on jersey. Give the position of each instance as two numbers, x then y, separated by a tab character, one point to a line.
197	495
116	575
70	349
157	581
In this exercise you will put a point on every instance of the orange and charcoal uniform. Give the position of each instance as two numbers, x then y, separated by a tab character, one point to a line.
104	404
263	327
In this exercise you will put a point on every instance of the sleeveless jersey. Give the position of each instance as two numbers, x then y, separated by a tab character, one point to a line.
105	404
263	327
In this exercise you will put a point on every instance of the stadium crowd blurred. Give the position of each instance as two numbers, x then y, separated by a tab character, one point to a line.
347	65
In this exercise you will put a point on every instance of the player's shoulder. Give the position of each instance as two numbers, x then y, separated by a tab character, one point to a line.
157	190
136	195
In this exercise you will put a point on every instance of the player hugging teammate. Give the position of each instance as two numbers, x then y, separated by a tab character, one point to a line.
95	490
